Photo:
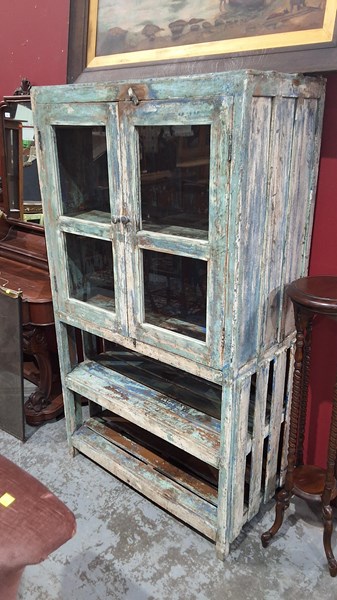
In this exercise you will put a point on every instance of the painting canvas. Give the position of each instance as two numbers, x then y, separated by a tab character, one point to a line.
125	31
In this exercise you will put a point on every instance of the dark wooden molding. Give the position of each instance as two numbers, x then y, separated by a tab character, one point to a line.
309	59
77	39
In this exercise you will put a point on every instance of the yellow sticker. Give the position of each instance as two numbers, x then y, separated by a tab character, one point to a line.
6	500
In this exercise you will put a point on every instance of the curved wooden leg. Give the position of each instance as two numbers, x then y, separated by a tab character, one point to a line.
329	487
328	526
35	344
282	502
46	402
41	396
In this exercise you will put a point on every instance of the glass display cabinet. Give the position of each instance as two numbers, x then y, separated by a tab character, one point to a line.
176	211
19	191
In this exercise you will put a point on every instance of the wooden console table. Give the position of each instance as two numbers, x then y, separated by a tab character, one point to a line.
311	296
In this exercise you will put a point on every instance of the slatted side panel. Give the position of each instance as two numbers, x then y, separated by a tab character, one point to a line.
252	230
276	220
276	216
255	463
260	439
277	409
302	196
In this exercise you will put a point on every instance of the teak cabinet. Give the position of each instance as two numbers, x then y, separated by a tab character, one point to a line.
176	210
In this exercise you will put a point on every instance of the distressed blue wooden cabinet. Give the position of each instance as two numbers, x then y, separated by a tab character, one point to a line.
176	211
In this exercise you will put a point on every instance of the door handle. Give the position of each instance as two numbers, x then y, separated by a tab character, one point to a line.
124	220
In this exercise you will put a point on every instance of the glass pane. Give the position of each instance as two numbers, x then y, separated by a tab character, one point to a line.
83	169
90	269
174	167
175	293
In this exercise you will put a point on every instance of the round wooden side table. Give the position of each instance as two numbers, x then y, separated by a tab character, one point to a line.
311	296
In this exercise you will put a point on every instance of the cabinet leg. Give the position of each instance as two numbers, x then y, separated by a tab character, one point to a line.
282	503
222	551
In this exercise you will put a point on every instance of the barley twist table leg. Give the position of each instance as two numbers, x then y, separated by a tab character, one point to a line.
304	394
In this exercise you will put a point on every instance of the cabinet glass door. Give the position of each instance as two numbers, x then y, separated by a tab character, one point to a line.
174	268
89	197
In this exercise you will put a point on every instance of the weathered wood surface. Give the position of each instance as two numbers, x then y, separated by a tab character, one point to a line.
186	480
179	501
308	123
178	424
192	86
275	217
166	242
91	225
277	234
261	417
253	231
258	439
239	457
277	417
66	340
79	316
182	232
187	389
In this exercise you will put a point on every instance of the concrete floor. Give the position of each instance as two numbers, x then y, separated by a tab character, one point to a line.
126	548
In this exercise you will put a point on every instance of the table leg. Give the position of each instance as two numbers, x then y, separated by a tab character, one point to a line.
329	488
35	344
304	392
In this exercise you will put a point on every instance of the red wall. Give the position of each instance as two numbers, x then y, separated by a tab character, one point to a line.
323	261
33	42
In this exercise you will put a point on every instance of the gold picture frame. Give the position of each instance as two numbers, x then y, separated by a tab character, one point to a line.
281	43
283	26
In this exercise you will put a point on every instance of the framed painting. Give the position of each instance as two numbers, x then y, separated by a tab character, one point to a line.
245	33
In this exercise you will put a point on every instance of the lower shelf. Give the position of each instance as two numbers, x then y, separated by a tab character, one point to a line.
184	496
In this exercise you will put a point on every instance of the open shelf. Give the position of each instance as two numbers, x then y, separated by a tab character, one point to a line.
182	426
126	461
